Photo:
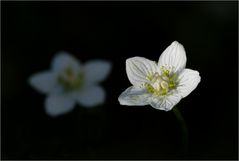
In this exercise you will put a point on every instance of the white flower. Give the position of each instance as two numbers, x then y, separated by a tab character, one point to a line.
161	85
69	82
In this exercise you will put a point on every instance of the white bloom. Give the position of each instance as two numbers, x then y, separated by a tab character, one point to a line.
69	82
161	85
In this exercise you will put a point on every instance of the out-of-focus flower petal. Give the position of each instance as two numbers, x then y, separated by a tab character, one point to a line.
58	104
96	71
90	96
43	82
63	61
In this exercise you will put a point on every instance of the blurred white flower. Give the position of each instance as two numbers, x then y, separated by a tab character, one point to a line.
161	85
69	82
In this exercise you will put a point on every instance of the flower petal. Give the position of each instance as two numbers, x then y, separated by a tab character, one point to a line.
64	60
173	56
58	104
188	81
138	68
96	70
165	103
90	96
43	82
134	96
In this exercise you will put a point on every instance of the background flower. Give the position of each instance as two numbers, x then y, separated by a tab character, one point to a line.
69	82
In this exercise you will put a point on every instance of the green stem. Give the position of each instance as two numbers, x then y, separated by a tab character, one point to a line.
183	128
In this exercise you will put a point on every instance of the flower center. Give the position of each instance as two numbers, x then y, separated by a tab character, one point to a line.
160	85
70	79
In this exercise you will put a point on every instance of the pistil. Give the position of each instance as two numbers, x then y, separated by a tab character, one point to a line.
71	80
160	85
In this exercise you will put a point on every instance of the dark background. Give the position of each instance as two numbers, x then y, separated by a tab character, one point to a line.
33	32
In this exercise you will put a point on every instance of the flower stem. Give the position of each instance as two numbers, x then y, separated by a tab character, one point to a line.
183	128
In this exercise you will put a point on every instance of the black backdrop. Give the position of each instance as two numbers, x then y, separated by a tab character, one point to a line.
33	32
